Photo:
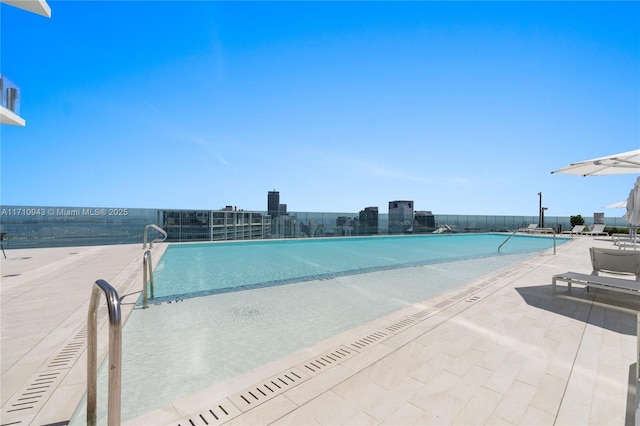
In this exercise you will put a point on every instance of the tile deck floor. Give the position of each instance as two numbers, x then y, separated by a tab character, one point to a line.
501	350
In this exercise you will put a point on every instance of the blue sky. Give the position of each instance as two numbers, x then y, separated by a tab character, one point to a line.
464	108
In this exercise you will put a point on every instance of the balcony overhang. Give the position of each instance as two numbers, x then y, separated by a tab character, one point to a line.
9	117
39	7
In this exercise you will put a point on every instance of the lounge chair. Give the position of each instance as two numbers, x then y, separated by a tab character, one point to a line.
609	261
596	230
577	230
624	238
532	227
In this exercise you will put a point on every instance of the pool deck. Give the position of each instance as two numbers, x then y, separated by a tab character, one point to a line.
503	349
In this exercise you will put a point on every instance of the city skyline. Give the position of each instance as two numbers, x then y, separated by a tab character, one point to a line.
462	107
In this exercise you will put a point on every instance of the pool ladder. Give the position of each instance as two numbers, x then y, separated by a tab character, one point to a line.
147	277
537	230
157	240
115	354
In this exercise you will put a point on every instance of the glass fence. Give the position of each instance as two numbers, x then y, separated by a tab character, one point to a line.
10	98
47	226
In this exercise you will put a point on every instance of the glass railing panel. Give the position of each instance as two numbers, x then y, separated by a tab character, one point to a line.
46	226
10	94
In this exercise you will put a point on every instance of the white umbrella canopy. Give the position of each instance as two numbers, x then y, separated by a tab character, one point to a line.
633	205
618	205
617	164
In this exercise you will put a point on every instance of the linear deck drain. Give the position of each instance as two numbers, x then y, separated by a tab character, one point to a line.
371	339
424	313
444	304
31	397
328	359
467	292
216	415
264	391
400	325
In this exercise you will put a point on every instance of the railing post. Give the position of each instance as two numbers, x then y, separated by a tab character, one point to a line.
157	228
147	276
115	354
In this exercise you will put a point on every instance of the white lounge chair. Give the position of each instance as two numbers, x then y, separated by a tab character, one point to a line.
532	227
596	230
577	230
610	261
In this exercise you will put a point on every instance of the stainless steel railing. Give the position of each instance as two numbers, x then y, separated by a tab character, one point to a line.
147	277
536	230
157	240
115	354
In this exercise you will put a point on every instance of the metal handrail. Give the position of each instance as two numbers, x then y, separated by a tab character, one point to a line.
157	240
537	229
115	354
147	276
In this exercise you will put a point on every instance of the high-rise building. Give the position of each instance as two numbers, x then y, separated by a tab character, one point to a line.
368	221
273	203
400	217
425	222
214	225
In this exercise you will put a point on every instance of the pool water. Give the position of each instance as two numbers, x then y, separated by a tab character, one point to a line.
192	270
172	350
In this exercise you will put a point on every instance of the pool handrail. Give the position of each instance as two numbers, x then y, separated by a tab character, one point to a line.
115	354
527	229
147	277
157	240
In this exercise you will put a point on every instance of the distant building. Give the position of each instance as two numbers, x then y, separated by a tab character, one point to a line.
400	217
425	222
215	225
273	203
344	226
285	226
368	221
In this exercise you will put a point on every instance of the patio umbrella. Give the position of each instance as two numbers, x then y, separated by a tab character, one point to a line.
633	205
625	162
618	205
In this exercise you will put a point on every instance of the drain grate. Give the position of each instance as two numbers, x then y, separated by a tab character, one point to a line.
466	293
328	359
473	299
29	400
369	340
400	325
264	391
31	397
424	313
216	415
444	304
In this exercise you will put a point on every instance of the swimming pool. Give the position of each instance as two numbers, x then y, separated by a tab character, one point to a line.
192	270
172	350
